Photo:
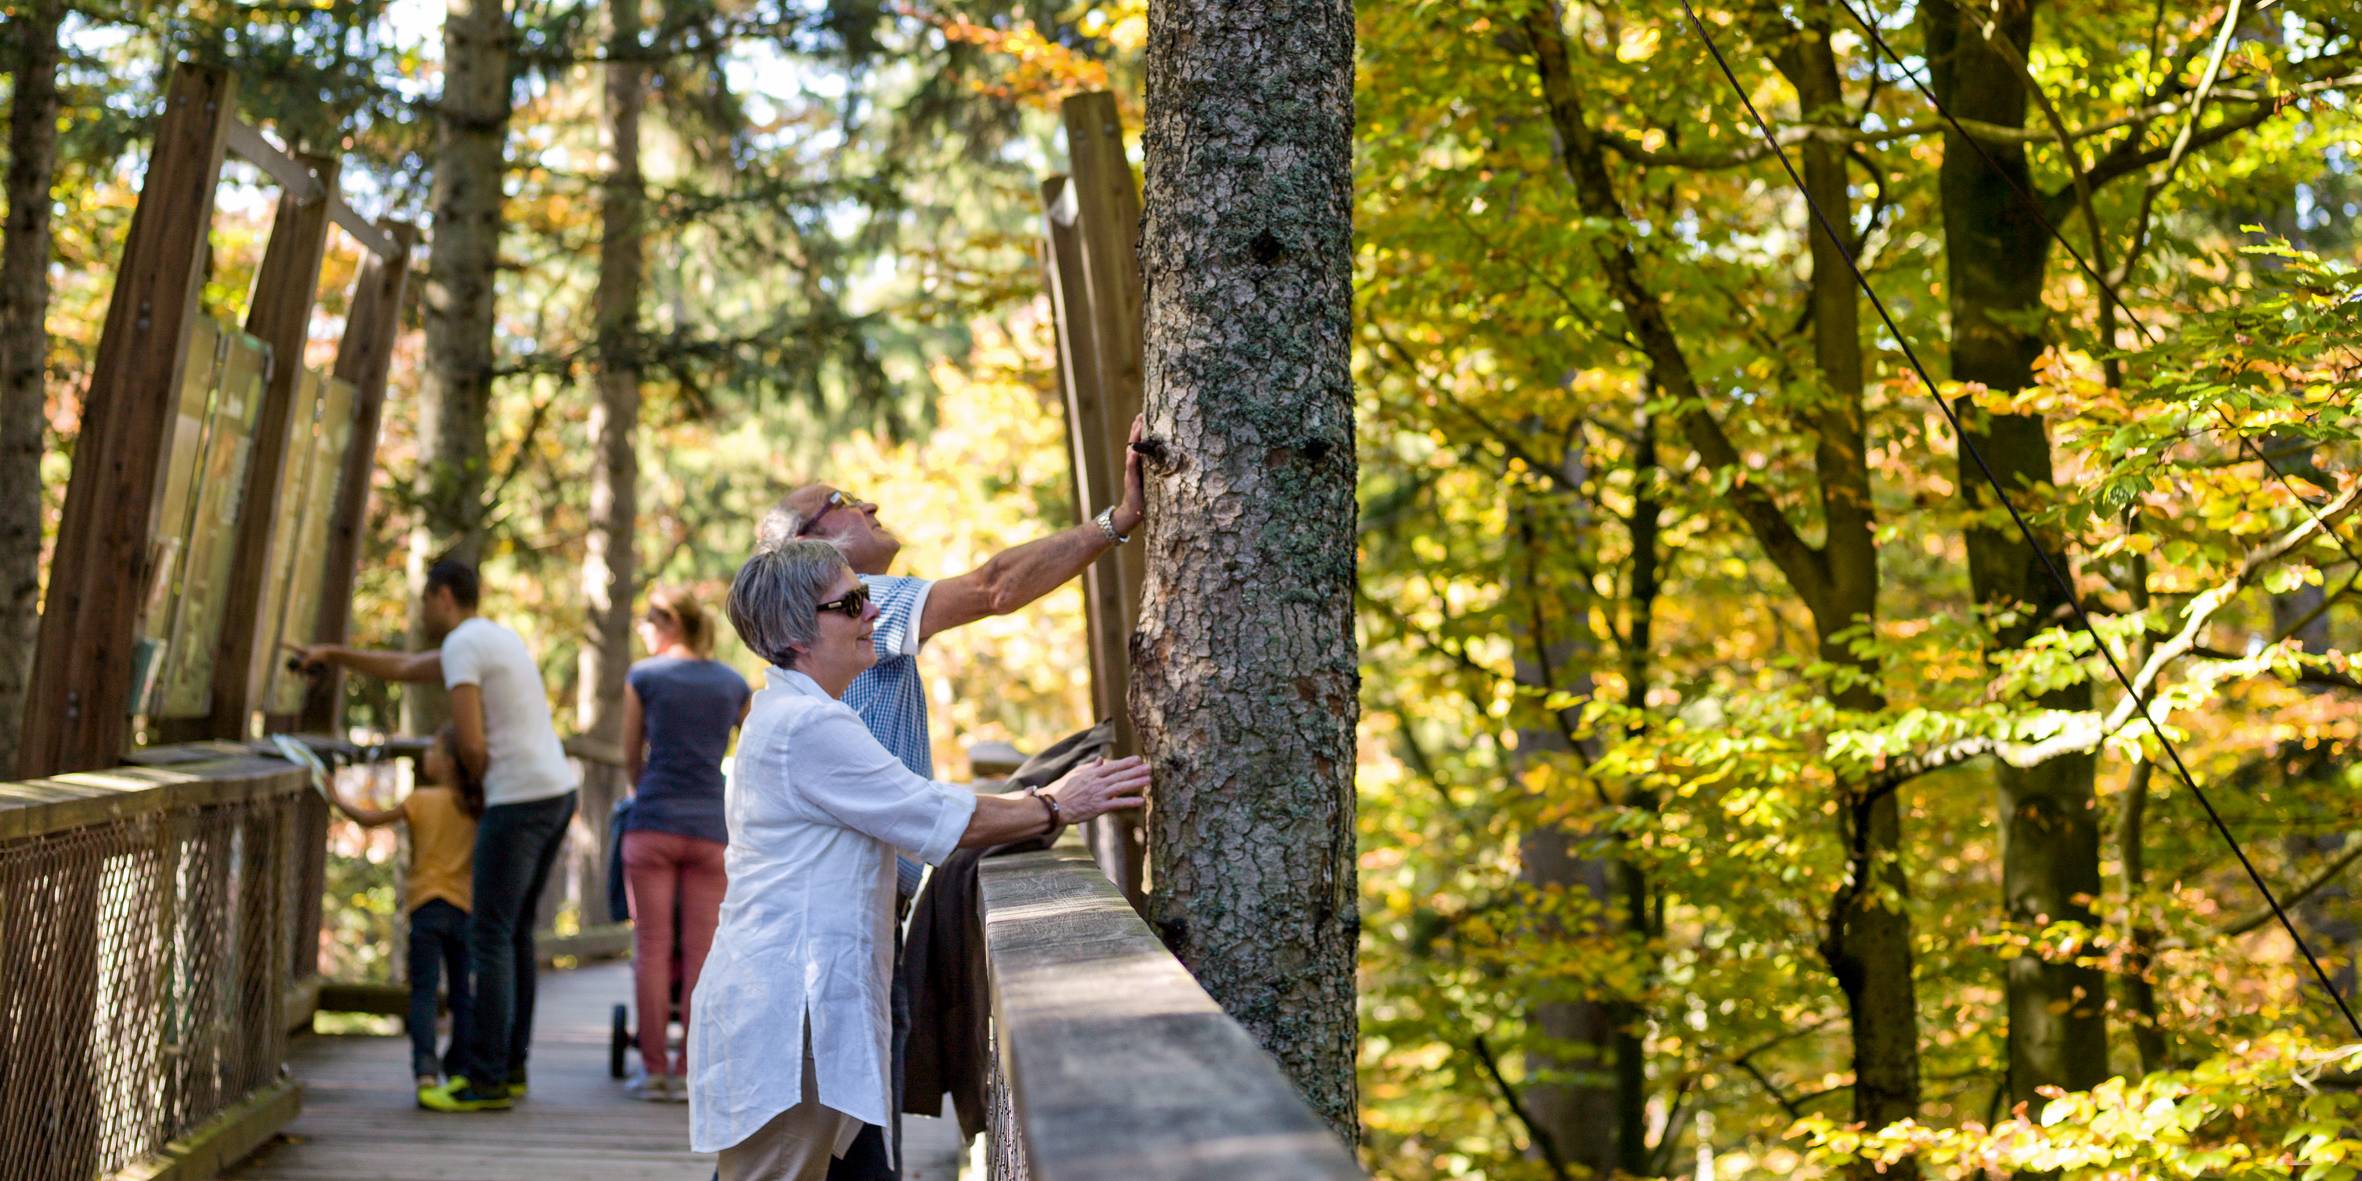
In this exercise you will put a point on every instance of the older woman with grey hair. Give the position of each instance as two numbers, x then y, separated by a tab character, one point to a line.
788	1054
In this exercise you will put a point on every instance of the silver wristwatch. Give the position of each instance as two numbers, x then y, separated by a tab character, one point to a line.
1106	522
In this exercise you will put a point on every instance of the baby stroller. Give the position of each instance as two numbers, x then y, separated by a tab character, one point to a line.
623	1038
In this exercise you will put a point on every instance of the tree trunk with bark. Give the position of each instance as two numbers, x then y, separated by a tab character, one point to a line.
1996	249
24	351
455	397
1867	942
1246	686
609	568
1573	1055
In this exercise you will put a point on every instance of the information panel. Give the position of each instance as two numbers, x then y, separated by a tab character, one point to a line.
306	504
211	538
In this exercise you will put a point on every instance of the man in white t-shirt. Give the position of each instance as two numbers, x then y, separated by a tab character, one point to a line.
502	715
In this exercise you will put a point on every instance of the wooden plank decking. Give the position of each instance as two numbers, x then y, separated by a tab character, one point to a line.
359	1122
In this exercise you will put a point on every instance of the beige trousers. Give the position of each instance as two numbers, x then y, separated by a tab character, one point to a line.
797	1144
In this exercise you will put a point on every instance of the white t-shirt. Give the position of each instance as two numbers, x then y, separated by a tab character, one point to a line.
524	760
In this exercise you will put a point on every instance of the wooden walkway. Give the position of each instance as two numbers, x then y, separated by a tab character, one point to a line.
360	1123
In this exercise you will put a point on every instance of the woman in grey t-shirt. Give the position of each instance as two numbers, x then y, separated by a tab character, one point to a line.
680	706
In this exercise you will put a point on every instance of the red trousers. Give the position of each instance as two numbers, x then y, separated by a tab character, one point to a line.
662	871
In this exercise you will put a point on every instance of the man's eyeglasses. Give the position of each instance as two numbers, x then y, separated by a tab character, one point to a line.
836	500
852	604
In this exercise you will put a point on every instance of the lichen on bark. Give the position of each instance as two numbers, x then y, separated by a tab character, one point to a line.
1246	688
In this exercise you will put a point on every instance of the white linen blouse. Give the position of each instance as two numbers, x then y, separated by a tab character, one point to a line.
816	809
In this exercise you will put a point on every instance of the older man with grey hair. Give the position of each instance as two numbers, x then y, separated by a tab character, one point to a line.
789	1055
890	698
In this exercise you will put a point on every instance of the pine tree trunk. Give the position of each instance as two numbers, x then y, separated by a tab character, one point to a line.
608	565
24	352
1246	679
455	397
1995	252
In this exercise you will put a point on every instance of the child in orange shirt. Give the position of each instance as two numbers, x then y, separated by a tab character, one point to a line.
441	812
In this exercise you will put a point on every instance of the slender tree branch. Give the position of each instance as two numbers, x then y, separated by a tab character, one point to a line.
1514	447
1585	163
2084	731
1541	1139
2319	882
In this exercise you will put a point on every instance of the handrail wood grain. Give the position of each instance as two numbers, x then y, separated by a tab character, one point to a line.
1118	1064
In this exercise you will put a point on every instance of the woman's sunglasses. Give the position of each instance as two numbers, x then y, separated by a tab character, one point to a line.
852	604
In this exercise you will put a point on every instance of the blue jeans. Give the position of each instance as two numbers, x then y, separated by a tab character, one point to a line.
438	948
515	846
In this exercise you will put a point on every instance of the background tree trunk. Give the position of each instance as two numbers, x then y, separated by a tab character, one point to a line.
609	568
1995	251
24	351
1868	943
1573	1037
1247	687
455	396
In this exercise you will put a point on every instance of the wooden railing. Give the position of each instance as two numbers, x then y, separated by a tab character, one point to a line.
1110	1061
158	937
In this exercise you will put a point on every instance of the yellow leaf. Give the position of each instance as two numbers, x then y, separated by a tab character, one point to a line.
1638	44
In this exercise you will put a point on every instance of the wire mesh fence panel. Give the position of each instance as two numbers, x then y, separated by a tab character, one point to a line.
146	946
311	887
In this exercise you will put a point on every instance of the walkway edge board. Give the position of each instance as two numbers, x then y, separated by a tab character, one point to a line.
223	1140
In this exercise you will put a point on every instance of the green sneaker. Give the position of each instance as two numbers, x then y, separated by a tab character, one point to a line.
516	1085
454	1096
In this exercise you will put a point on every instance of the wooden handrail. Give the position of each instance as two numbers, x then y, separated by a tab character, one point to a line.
1115	1062
37	807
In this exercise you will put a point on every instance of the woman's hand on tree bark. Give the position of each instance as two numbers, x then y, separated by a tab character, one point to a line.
1096	789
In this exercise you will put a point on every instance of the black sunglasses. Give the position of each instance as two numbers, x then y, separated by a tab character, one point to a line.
852	604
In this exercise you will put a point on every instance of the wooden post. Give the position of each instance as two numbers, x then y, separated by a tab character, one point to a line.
1106	218
1097	483
1078	369
364	358
280	315
78	706
1107	212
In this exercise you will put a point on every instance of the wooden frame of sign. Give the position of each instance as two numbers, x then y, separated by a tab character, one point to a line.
104	575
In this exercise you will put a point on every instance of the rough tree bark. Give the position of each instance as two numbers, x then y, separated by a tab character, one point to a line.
455	401
1996	249
1246	687
609	568
24	350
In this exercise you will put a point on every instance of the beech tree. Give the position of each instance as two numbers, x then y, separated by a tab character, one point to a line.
609	561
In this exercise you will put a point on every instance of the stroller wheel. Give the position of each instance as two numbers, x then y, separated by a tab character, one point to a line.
619	1043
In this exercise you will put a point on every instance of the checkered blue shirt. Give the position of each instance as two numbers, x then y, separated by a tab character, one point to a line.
889	696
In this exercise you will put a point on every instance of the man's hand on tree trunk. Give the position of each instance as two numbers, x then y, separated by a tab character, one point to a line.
1134	509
